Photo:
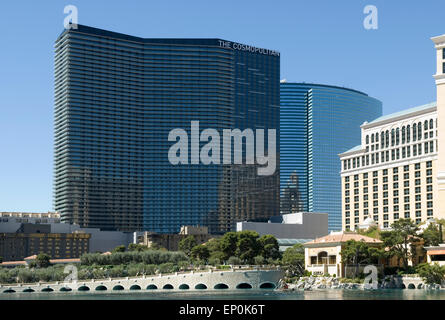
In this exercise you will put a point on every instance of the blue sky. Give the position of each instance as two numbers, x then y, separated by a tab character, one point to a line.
320	41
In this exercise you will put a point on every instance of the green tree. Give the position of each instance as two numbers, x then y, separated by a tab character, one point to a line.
293	259
359	252
431	274
248	246
269	247
431	235
228	244
200	252
42	260
119	249
216	253
137	247
401	240
186	244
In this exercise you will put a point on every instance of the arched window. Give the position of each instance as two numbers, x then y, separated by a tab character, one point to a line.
397	136
367	139
382	139
431	124
392	137
387	138
408	134
419	131
425	125
372	138
403	134
414	132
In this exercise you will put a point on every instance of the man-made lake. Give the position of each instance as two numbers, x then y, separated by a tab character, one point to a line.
230	295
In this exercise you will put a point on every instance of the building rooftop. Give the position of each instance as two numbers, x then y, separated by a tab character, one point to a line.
309	84
341	237
402	113
356	148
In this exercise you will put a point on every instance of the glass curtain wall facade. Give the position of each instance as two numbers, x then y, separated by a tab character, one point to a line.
117	97
332	116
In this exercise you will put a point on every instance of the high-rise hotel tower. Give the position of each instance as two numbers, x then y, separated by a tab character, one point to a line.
117	97
317	122
398	170
440	83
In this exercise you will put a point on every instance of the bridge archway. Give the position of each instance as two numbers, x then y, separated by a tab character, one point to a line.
101	288
151	287
184	286
83	288
267	285
47	289
29	290
244	285
118	288
221	286
9	291
200	286
65	289
411	286
167	287
135	287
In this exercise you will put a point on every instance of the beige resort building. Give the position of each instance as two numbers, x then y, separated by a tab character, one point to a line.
323	255
398	171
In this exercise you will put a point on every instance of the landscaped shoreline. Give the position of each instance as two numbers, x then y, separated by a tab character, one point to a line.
388	282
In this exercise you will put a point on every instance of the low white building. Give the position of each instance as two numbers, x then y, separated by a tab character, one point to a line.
290	229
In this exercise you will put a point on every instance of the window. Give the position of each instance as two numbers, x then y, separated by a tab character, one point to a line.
403	134
419	131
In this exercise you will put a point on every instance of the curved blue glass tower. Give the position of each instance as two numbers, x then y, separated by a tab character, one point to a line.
318	122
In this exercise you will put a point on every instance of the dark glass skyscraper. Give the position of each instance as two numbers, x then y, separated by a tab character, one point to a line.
117	97
318	122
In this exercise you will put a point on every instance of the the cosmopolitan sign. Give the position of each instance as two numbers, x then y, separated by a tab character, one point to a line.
245	47
210	153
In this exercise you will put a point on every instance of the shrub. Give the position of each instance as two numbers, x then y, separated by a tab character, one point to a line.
259	260
431	274
234	261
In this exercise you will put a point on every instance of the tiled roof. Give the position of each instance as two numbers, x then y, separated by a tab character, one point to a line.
404	112
343	237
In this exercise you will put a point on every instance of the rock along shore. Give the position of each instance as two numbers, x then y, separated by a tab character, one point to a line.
389	282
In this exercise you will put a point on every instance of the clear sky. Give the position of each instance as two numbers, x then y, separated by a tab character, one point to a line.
320	41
